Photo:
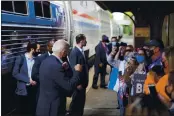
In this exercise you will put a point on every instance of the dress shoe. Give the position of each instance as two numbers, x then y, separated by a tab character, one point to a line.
95	87
103	86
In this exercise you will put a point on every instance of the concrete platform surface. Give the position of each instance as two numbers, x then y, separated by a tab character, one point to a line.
100	102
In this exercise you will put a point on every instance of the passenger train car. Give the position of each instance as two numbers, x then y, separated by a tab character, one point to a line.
40	21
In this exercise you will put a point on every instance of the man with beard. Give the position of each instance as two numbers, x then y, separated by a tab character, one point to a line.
77	56
25	84
39	59
36	66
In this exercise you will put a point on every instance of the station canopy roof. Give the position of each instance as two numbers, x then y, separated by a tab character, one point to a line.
144	7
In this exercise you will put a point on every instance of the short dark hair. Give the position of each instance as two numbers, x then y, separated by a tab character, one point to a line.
50	42
80	37
31	45
171	77
114	38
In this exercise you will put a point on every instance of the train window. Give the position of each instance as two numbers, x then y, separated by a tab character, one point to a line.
7	6
38	8
46	9
20	7
42	9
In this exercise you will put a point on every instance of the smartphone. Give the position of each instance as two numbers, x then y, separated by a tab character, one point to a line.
152	90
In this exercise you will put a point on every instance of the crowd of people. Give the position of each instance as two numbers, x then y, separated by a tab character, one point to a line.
44	81
143	79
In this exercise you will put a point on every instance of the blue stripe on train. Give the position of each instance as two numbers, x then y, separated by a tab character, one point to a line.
31	19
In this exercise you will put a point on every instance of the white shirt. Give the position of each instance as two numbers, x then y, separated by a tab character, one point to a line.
81	49
49	53
30	63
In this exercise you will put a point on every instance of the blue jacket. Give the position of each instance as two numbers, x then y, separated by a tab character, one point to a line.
20	72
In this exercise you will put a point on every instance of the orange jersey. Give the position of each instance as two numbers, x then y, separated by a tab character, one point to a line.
149	80
160	86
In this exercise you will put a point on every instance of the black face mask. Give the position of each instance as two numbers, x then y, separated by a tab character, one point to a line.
151	53
35	54
64	59
50	52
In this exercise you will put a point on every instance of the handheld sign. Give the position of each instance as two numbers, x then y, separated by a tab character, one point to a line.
138	84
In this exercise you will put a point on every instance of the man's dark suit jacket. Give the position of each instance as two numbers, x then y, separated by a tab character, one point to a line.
36	66
20	72
76	57
100	54
54	87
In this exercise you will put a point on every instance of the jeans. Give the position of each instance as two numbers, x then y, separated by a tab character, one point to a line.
122	108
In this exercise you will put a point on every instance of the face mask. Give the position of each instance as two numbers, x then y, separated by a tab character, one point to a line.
140	58
151	53
64	59
35	54
114	43
50	52
107	43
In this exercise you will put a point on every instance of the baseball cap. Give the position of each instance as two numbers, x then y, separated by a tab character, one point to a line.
153	43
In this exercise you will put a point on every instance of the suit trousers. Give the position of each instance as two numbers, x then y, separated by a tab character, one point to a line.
99	70
78	102
26	105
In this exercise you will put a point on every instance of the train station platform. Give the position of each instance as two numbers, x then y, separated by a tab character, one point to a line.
99	102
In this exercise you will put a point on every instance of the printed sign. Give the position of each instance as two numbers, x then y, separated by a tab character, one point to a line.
142	32
138	84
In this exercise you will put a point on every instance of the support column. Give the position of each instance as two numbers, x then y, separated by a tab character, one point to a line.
156	23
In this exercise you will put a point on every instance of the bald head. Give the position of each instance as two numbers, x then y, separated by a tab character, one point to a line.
60	48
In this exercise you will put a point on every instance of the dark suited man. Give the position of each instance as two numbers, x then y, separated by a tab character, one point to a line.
54	85
77	56
38	61
100	62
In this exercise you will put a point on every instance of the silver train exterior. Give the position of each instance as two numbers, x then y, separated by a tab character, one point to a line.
88	18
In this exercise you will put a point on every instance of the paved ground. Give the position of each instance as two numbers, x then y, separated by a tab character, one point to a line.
100	102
